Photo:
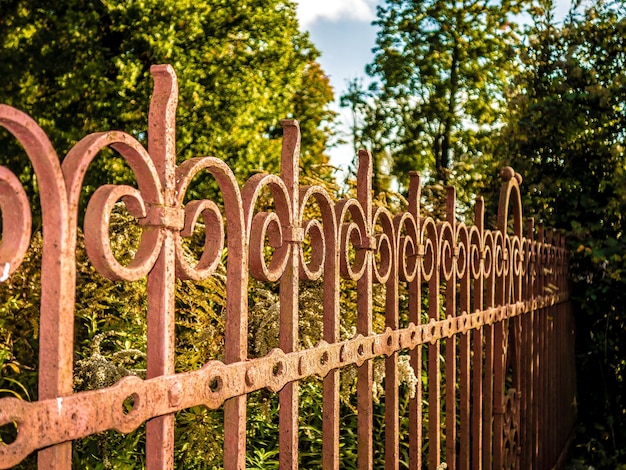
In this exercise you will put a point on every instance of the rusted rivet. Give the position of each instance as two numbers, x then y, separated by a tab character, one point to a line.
277	369
175	393
342	353
443	328
324	358
449	326
249	378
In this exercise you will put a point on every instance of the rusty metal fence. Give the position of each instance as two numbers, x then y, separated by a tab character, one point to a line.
500	325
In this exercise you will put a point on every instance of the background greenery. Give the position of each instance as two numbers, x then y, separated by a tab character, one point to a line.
459	89
548	99
81	66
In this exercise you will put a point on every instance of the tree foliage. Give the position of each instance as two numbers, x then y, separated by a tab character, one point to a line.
81	67
566	137
443	67
458	86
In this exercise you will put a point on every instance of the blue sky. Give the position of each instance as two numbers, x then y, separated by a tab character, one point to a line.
342	31
346	47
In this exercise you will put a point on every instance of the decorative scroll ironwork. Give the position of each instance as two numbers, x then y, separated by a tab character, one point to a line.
491	282
511	431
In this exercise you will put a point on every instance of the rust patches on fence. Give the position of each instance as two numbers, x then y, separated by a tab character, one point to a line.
498	309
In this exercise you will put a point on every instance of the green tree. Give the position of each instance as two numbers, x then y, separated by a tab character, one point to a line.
316	119
566	137
355	98
443	68
80	67
367	113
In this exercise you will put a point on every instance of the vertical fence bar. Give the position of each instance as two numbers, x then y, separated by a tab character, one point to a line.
450	343
330	425
517	292
238	233
549	405
365	446
162	278
477	344
331	383
289	288
392	421
547	371
57	318
532	291
465	360
562	436
542	363
537	394
434	370
415	314
564	382
558	340
526	354
488	367
499	377
56	322
551	345
537	323
560	363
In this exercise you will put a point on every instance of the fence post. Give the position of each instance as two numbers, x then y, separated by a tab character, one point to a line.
289	288
365	446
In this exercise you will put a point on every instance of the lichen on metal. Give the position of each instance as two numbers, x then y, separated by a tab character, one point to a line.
497	306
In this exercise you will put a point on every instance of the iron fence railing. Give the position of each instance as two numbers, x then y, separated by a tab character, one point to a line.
497	303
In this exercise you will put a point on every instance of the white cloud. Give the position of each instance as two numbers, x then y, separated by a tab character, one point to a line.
310	11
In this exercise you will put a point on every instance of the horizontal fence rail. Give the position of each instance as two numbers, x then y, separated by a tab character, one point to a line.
498	385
